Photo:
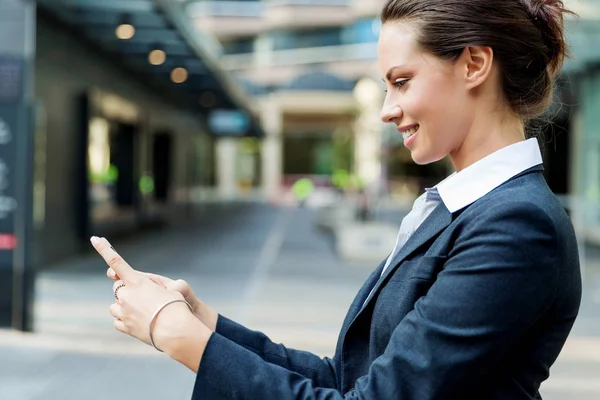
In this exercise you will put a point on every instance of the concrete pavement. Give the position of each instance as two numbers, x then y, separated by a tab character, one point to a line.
269	268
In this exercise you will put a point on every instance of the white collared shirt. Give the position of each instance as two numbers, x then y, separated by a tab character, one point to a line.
469	185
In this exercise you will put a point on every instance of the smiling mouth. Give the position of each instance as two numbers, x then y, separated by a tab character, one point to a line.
409	132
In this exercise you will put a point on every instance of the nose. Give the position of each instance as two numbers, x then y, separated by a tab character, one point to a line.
390	112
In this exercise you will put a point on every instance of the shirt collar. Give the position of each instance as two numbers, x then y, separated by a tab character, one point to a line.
472	183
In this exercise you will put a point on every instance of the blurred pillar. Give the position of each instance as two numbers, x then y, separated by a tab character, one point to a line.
17	57
226	153
272	149
590	150
368	133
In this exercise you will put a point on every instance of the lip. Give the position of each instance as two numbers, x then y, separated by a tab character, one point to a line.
406	127
410	140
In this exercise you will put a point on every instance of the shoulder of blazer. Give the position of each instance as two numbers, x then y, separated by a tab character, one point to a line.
528	187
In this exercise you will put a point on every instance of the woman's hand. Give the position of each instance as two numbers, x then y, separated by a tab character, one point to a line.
137	302
175	330
204	313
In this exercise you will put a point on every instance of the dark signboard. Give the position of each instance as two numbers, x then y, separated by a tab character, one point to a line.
13	132
17	33
9	124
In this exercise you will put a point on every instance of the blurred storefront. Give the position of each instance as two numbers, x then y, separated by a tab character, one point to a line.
129	100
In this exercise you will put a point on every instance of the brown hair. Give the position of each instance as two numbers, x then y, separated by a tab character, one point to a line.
527	37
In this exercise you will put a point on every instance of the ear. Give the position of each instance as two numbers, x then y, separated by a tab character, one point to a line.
478	61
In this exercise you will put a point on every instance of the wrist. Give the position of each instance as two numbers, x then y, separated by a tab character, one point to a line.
185	341
166	325
206	315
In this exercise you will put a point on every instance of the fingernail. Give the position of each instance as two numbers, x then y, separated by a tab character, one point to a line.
94	240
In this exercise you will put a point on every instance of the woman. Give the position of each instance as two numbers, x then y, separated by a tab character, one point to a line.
482	288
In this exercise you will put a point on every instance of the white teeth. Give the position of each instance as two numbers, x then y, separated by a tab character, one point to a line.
410	132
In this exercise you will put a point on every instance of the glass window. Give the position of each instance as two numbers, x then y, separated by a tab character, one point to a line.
362	31
283	39
238	46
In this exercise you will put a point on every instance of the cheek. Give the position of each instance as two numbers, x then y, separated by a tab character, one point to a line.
443	111
427	101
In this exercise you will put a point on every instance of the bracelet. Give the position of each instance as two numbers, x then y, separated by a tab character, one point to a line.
156	315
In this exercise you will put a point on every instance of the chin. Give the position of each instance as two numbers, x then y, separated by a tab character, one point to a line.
423	158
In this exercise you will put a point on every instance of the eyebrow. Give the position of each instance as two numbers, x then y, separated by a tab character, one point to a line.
388	76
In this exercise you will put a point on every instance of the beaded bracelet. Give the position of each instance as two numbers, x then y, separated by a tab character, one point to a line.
156	315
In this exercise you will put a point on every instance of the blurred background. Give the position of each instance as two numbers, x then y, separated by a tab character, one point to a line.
237	145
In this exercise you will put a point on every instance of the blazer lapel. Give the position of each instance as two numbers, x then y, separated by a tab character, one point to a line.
361	296
437	221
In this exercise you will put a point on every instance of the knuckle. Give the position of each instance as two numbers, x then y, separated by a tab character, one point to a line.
114	260
180	284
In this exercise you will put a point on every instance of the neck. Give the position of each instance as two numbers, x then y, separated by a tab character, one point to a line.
486	136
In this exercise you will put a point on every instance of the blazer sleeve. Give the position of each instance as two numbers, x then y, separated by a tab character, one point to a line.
320	370
500	277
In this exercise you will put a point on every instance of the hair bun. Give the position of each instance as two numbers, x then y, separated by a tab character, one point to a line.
548	16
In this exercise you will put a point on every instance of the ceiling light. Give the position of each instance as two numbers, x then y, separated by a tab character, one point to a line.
179	75
125	30
157	57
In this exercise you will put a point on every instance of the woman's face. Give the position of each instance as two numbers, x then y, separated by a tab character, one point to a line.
426	96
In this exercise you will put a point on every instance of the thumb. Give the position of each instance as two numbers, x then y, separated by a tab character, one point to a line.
180	286
114	260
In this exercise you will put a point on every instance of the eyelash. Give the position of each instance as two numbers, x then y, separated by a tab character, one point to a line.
398	84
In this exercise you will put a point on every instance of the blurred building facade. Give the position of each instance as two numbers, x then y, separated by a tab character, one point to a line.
311	66
576	153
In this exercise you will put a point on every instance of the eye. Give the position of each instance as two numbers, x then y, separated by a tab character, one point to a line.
400	83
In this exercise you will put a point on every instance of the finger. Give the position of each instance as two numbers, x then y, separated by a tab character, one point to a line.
120	326
112	274
158	279
114	260
116	311
117	284
119	291
178	286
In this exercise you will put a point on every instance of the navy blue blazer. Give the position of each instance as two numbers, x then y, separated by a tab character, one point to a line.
476	305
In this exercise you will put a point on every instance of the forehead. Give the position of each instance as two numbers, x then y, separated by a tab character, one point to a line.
398	37
398	45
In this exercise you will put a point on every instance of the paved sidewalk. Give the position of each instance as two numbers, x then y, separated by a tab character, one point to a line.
269	268
265	267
